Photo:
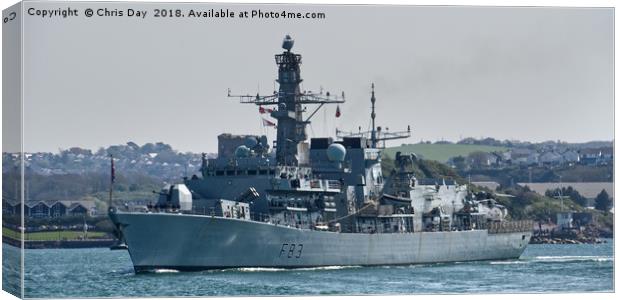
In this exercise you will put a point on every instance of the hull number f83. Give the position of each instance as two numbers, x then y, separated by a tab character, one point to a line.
291	250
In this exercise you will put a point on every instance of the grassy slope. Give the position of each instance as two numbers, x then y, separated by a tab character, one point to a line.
441	152
51	235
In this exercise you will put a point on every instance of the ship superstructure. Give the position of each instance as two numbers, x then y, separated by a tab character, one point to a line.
312	203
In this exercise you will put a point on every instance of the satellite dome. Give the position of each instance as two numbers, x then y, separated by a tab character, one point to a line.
242	151
336	152
288	42
263	141
250	142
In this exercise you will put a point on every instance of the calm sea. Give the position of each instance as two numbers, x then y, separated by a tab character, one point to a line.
100	273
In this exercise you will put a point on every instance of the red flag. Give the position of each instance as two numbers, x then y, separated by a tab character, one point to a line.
268	123
338	111
112	175
262	110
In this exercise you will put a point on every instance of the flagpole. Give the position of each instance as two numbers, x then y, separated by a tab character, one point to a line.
112	175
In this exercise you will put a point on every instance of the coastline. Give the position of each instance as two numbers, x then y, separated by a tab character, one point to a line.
60	244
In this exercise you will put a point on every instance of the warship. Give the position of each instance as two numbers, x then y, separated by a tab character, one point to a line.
312	202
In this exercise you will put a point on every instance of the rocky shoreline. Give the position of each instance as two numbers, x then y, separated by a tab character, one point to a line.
582	235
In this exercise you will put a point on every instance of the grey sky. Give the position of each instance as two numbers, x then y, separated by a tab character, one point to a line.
509	73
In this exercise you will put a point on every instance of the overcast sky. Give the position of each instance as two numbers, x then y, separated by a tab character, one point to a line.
450	72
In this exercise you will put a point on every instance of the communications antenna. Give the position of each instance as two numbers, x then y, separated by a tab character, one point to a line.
375	134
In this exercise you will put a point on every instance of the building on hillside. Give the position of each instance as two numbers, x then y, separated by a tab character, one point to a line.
571	220
597	156
523	156
498	159
491	185
583	219
607	156
550	158
506	156
564	220
570	156
589	156
480	160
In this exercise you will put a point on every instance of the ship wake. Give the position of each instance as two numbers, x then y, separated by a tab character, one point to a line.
259	269
555	259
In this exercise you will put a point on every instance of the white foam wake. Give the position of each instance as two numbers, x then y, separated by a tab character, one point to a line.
509	262
328	268
293	269
258	269
570	258
553	259
161	271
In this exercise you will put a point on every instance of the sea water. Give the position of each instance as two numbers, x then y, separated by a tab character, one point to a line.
99	272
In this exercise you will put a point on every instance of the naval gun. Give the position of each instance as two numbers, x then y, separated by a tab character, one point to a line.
174	197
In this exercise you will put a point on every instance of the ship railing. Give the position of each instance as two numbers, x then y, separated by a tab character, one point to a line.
334	184
203	211
258	217
511	226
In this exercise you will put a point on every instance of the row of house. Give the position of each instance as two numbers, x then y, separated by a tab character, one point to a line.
526	156
598	156
49	209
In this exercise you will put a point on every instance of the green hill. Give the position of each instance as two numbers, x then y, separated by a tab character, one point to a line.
441	152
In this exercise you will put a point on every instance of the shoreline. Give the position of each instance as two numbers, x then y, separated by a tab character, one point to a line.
60	244
566	241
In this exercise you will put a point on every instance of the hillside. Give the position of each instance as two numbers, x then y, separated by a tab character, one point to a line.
587	189
441	152
423	168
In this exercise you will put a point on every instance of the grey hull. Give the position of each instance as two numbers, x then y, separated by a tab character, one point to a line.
194	242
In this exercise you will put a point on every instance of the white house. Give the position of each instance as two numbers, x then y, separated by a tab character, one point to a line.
565	220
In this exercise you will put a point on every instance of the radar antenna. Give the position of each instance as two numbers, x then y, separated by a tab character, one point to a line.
288	101
376	134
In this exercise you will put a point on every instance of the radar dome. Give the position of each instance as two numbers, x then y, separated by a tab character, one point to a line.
251	142
263	141
336	152
288	42
242	151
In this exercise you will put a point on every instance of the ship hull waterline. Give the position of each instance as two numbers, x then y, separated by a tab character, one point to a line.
197	242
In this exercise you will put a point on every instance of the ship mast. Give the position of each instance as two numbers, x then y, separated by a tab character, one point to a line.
291	125
376	134
373	135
